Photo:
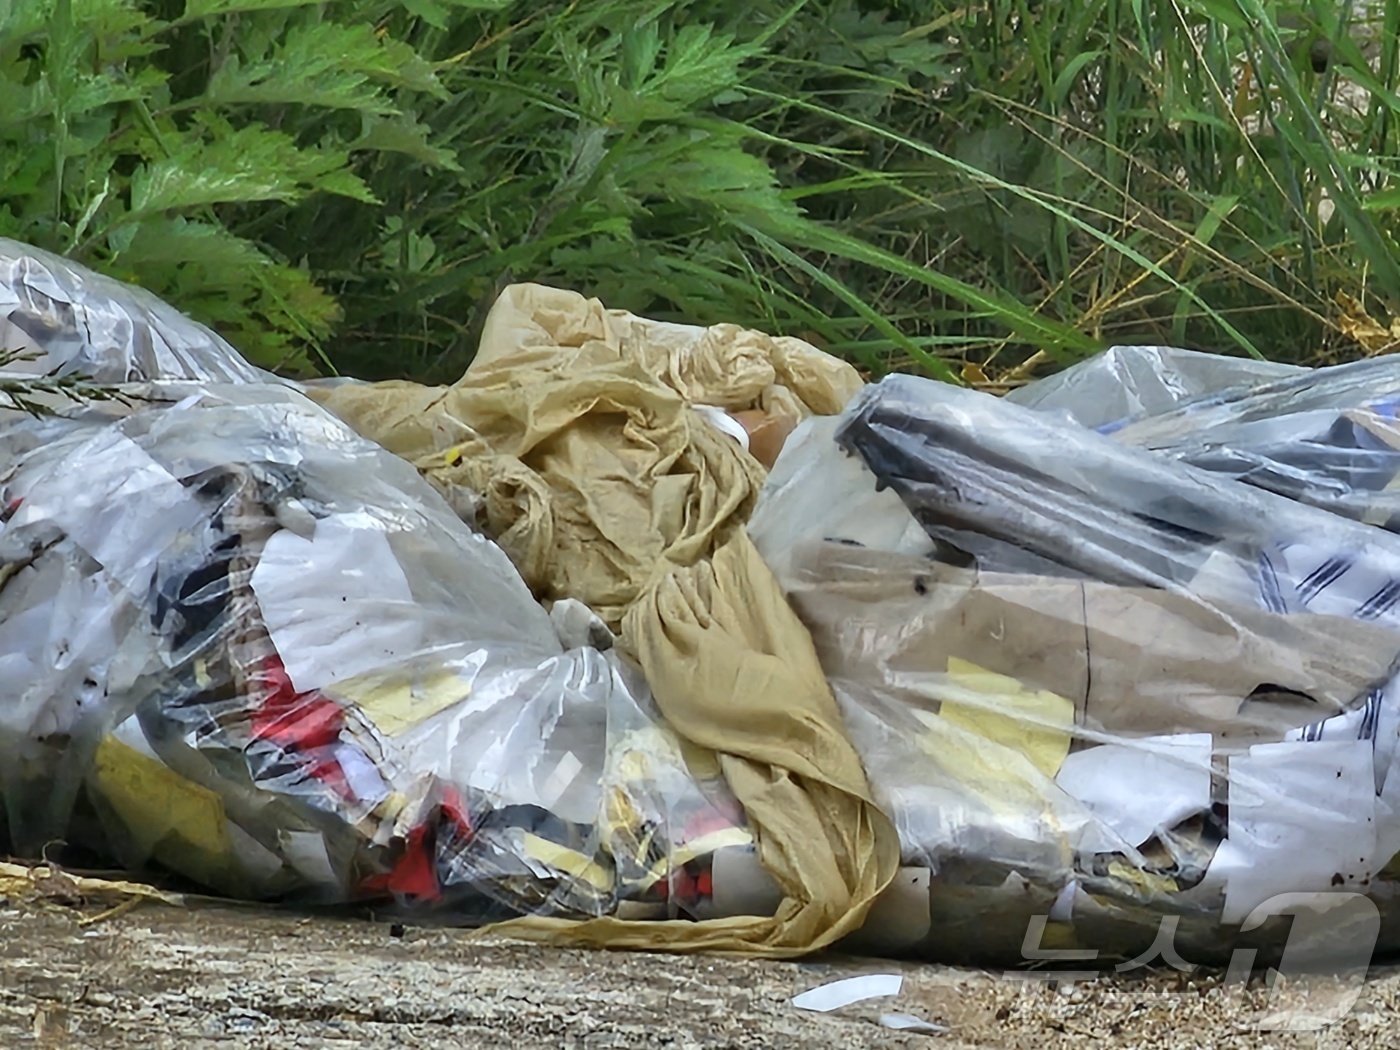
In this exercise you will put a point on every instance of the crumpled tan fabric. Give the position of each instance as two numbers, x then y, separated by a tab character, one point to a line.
594	476
735	673
723	365
574	428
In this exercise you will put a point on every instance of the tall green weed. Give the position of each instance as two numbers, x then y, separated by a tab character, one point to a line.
965	189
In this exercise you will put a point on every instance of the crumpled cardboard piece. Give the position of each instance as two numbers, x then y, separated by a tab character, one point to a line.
1240	673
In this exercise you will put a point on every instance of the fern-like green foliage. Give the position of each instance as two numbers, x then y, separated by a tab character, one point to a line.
347	184
156	141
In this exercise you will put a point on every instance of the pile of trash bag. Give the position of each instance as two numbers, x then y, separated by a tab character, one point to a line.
249	645
659	636
58	319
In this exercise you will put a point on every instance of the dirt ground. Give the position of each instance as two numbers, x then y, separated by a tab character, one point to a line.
159	976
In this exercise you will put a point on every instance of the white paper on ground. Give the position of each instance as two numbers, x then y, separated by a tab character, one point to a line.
336	605
827	997
1302	820
910	1023
1135	789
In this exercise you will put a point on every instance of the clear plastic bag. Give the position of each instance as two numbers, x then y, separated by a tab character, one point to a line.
1091	682
1125	382
245	643
61	319
1329	437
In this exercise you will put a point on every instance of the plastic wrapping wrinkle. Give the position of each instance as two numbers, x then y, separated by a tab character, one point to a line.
1300	392
1128	382
59	318
579	626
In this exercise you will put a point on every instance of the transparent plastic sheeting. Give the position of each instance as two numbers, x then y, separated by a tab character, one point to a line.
60	319
243	642
1329	437
1092	682
1126	382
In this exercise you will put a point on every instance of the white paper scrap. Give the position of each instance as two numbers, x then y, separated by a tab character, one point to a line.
1302	820
827	997
337	605
910	1023
1136	789
724	423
